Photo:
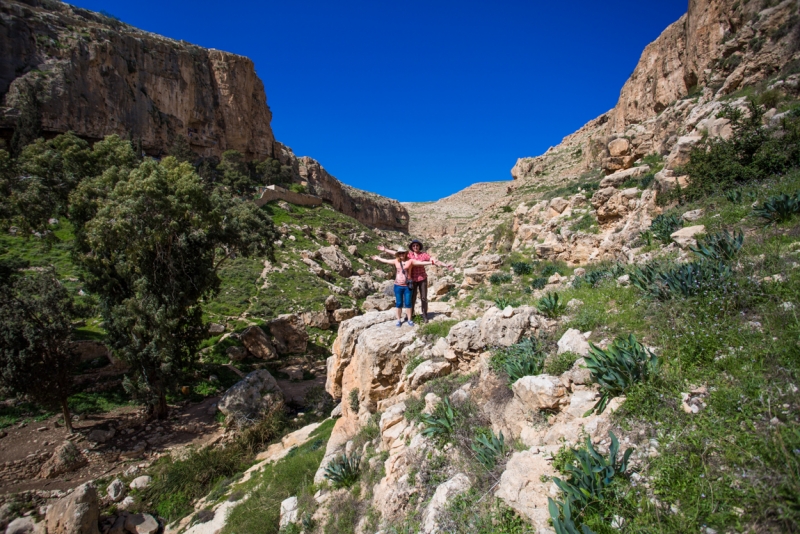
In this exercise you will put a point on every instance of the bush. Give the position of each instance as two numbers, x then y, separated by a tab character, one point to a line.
664	226
550	269
560	363
352	398
441	423
721	246
500	278
488	448
503	302
683	280
525	358
753	152
646	180
734	196
550	306
539	283
779	208
521	268
591	278
624	363
437	329
343	471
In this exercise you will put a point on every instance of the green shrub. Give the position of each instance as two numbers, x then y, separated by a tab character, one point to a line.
646	180
521	268
550	269
352	398
561	514
591	278
539	283
503	302
437	329
488	448
441	423
624	363
734	196
779	208
560	363
647	237
507	209
500	278
753	152
664	226
721	246
683	280
343	471
524	358
550	306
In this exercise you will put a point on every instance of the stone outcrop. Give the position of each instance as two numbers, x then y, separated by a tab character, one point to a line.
249	399
66	458
78	512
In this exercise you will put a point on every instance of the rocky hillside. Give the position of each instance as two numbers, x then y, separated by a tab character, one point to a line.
87	73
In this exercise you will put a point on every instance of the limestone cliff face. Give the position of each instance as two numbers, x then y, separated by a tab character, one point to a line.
97	76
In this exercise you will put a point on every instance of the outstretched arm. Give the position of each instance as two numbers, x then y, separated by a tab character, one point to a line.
382	260
387	250
442	264
417	262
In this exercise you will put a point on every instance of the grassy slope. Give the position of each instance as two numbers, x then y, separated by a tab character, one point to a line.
736	464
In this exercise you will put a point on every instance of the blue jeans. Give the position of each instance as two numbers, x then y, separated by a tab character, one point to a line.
402	296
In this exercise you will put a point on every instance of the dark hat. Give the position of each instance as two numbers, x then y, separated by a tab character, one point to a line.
421	246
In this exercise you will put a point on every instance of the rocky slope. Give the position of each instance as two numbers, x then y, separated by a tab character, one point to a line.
96	76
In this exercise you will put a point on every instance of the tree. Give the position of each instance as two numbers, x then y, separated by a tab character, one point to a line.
152	241
36	354
235	173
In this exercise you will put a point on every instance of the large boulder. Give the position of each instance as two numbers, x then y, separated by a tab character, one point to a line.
77	513
344	346
141	524
258	344
525	486
66	458
378	303
290	334
540	392
573	341
427	370
337	261
618	178
465	337
507	327
249	399
441	287
362	286
685	237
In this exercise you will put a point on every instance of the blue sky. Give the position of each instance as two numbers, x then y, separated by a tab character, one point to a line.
417	100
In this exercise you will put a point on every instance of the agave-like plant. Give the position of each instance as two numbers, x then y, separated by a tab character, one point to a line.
489	448
499	278
664	226
550	306
779	208
591	473
690	278
734	196
441	423
343	471
521	267
539	283
503	302
561	514
721	246
624	363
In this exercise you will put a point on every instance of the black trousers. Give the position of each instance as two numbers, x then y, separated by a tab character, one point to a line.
422	288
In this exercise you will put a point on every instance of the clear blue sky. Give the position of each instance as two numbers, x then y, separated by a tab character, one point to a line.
417	100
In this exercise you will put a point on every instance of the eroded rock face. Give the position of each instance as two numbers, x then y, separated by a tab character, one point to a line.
337	261
522	489
444	493
76	513
258	344
289	333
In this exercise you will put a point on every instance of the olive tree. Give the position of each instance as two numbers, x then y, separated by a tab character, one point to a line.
36	352
152	241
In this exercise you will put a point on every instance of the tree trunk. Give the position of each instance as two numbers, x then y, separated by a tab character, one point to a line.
160	409
67	416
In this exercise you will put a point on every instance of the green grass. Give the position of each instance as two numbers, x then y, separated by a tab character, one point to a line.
21	412
291	475
437	329
100	402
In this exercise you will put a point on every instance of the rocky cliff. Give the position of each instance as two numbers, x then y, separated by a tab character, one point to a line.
97	76
715	49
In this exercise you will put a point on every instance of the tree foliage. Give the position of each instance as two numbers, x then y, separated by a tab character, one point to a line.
152	240
36	352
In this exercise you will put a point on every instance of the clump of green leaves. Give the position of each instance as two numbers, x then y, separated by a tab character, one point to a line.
683	280
647	237
561	514
720	246
560	363
550	305
664	226
521	268
591	278
525	358
441	423
538	283
352	398
488	448
779	208
624	363
343	471
549	270
503	302
500	278
734	196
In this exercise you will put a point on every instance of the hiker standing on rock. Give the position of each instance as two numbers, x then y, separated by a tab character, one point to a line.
418	275
402	281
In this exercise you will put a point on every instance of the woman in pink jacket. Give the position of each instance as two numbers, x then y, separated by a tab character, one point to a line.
402	281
